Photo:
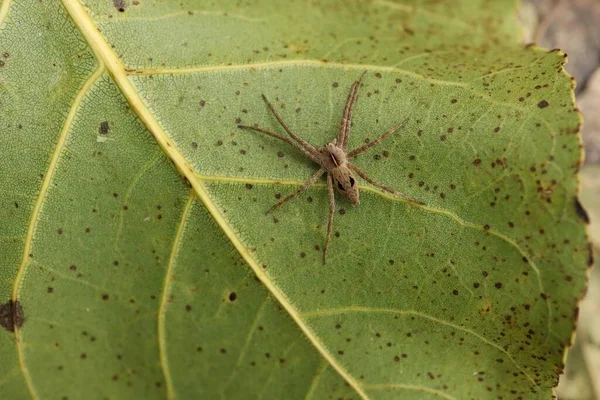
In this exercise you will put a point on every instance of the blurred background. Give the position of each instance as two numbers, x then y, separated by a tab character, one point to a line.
574	27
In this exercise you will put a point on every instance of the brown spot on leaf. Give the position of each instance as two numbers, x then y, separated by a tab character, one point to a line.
477	162
103	128
11	315
120	5
543	104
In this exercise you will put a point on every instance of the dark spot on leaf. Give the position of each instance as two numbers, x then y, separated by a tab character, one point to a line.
498	285
335	84
378	75
120	5
104	297
202	103
486	227
11	315
232	296
455	292
476	162
496	129
453	101
543	104
188	307
103	128
50	290
581	211
475	285
342	211
248	186
280	154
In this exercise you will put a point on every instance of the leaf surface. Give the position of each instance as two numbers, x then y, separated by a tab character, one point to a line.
124	279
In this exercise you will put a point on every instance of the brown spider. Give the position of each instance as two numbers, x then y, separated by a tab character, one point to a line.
333	159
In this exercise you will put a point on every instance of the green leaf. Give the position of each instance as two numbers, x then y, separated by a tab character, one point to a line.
120	278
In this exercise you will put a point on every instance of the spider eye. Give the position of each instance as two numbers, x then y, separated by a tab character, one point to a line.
351	182
341	187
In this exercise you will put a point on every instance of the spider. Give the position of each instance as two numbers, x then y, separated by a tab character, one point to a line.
333	160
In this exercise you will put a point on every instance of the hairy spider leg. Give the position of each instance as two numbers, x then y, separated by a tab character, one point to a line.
282	138
367	146
304	187
346	122
302	142
363	175
331	214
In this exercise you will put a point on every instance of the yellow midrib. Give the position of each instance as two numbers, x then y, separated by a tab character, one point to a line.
104	52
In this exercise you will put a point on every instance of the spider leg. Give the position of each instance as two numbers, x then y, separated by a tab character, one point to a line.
345	123
309	147
367	146
363	175
306	185
331	214
282	138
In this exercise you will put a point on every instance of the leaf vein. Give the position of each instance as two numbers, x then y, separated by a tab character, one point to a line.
361	309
